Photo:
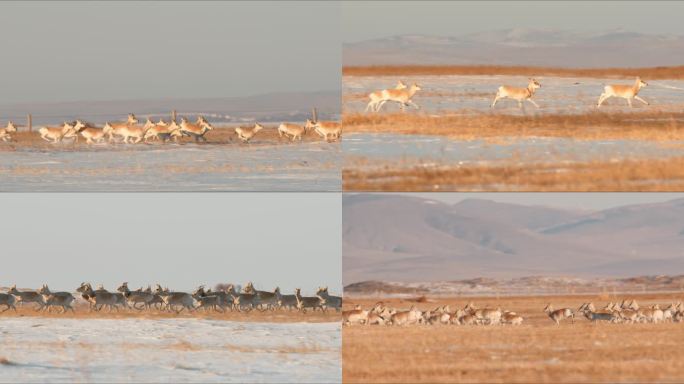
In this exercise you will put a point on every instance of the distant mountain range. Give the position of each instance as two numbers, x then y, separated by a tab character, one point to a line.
522	46
409	239
273	107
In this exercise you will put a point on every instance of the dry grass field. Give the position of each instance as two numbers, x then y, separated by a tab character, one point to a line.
675	72
278	316
536	351
654	175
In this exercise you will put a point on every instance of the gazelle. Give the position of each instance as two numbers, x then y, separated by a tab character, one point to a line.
172	300
99	297
243	300
163	132
399	95
27	297
7	300
627	92
287	301
207	301
293	131
328	130
304	302
246	134
329	301
136	297
589	311
5	133
56	134
355	316
92	134
559	314
264	299
197	131
412	316
519	94
56	299
119	128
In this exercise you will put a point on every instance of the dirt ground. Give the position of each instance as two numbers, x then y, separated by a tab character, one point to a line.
536	351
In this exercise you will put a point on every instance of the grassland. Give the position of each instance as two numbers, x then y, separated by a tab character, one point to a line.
537	351
674	72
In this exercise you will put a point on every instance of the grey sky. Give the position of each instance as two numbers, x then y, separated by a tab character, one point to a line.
565	200
67	51
180	240
369	20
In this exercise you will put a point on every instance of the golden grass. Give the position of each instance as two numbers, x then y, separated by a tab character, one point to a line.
651	125
622	176
279	316
537	351
674	72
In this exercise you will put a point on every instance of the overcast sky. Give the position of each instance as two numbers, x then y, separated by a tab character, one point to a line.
565	200
363	20
72	51
180	240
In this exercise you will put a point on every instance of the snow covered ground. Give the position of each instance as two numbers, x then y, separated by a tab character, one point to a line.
36	349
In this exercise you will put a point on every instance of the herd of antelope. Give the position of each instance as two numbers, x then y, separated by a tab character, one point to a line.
403	95
469	315
163	299
625	312
131	132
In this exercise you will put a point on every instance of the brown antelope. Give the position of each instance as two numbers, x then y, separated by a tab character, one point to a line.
589	311
402	96
355	316
164	132
56	299
246	134
412	316
329	301
328	130
56	134
7	300
136	297
197	131
303	302
27	297
92	134
5	133
519	94
511	318
559	314
627	92
119	128
293	131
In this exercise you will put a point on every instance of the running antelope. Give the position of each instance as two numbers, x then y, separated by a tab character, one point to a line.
511	318
304	302
376	97
402	96
27	297
329	301
99	297
243	300
5	133
354	316
135	298
56	299
623	91
328	130
559	314
246	134
293	131
92	134
172	300
287	301
164	132
412	316
207	301
197	130
519	94
56	134
7	300
119	128
589	311
264	300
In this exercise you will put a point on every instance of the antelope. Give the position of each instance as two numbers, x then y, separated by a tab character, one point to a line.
99	297
164	132
668	312
653	314
7	300
511	318
559	314
401	94
175	299
56	134
265	300
137	297
519	94
5	132
242	300
119	128
27	297
590	313
356	315
329	130
329	301
412	316
379	315
623	91
197	130
92	134
56	299
287	301
489	316
293	130
246	134
207	301
307	302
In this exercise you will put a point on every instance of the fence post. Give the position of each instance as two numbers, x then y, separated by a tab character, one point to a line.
314	115
29	122
173	115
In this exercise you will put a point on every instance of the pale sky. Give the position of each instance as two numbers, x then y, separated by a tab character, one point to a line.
109	50
180	240
564	200
364	20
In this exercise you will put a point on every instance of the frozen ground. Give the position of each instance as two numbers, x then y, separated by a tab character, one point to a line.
446	94
171	350
308	166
